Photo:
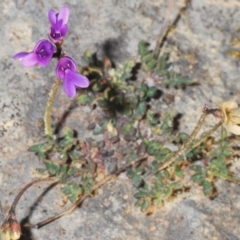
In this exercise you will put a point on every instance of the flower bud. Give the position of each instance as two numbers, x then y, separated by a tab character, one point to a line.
10	230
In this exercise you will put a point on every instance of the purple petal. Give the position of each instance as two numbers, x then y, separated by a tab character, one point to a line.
20	55
52	17
58	26
43	61
30	60
39	43
60	70
64	30
69	88
64	14
76	78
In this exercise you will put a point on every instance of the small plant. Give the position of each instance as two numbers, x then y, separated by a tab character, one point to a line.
136	138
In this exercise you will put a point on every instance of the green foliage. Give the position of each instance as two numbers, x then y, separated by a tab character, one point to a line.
217	167
72	190
130	128
160	66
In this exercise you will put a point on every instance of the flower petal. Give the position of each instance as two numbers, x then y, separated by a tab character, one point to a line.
69	88
64	30
76	78
44	61
64	14
234	116
52	16
30	60
228	106
58	26
20	55
233	128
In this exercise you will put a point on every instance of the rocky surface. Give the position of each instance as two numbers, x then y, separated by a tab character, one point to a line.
199	46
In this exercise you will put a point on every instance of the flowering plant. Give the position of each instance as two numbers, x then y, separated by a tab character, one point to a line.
155	169
45	50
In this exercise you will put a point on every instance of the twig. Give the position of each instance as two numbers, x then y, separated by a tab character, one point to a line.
15	202
163	29
205	136
186	145
82	198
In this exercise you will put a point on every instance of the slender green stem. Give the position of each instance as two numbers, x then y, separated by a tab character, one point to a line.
187	144
48	110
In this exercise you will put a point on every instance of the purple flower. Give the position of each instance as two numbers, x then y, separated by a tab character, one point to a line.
58	21
66	71
41	54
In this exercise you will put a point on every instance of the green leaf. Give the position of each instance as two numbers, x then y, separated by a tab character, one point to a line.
42	155
68	133
35	148
198	178
63	156
74	155
155	164
197	168
153	118
86	189
142	108
144	87
138	203
72	190
151	92
140	194
102	102
178	171
153	147
53	168
63	170
151	64
98	129
72	171
148	57
128	111
132	157
137	181
164	151
97	87
207	188
145	205
162	63
82	99
142	48
127	128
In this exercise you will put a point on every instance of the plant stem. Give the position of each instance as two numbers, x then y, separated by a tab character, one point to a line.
82	198
186	145
163	29
205	136
48	110
15	202
227	178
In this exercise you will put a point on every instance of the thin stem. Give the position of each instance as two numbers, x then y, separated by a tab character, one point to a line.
163	29
15	202
228	178
186	145
48	110
82	198
205	136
